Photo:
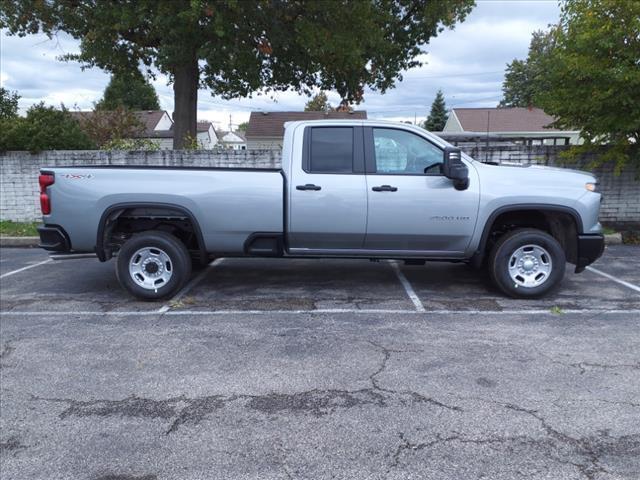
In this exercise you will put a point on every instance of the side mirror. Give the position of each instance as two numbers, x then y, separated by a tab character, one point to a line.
455	169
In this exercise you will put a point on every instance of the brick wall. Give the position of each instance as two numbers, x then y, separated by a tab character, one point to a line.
19	172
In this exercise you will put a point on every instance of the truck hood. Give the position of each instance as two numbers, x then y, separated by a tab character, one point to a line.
539	171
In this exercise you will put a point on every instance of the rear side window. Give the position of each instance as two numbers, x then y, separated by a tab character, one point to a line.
331	150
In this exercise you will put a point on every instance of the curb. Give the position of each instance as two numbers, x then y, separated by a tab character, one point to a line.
22	242
613	239
29	242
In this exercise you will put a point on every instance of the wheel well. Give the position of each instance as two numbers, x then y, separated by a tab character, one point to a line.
120	223
561	225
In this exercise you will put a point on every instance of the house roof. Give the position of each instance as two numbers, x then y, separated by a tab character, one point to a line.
504	120
271	124
203	126
148	118
221	134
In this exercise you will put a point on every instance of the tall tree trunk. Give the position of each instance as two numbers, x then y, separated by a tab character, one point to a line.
185	99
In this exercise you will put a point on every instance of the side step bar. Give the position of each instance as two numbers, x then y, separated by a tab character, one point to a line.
71	256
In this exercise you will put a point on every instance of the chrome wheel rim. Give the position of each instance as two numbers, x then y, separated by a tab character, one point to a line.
530	266
151	268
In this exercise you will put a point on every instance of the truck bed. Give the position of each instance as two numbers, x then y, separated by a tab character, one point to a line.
229	203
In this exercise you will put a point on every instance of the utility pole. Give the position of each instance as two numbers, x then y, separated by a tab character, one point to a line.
486	153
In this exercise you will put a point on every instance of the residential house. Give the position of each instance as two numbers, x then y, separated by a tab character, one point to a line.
528	125
157	126
232	140
207	136
266	129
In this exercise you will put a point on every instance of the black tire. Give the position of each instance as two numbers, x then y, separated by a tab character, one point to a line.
504	251
179	265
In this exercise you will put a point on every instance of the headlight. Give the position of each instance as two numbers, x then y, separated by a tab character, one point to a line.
592	187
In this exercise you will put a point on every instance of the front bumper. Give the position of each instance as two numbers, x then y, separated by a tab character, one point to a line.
590	248
53	238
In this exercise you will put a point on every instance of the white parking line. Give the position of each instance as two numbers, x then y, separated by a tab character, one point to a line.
426	313
25	268
187	288
614	279
407	287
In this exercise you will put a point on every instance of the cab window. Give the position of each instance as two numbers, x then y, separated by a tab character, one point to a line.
398	152
331	150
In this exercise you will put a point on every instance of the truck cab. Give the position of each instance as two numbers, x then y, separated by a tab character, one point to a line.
374	189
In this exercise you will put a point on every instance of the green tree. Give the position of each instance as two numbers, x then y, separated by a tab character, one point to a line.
592	75
130	90
8	104
243	126
438	115
318	103
44	128
236	48
525	78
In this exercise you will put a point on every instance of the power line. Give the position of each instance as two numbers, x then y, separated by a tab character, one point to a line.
474	74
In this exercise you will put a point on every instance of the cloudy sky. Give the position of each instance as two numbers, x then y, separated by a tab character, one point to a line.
467	63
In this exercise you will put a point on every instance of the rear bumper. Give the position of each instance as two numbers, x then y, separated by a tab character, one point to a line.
590	248
53	238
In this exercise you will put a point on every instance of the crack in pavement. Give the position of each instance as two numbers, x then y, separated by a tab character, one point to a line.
182	410
116	476
455	437
583	366
7	350
581	445
416	397
590	448
12	444
558	401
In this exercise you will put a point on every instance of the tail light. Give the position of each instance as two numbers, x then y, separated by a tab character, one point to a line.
45	180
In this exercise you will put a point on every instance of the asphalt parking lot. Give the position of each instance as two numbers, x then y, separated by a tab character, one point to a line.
266	369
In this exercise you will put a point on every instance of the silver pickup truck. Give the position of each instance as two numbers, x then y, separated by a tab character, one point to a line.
349	189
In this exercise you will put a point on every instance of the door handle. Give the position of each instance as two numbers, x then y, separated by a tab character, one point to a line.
309	186
385	188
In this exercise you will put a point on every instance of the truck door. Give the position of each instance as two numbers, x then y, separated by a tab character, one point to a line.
327	205
412	206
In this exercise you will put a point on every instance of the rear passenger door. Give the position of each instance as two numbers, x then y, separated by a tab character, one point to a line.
327	191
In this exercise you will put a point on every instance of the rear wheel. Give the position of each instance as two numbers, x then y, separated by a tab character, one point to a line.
527	263
153	265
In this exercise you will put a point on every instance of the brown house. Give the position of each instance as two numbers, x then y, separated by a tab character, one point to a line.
266	129
530	124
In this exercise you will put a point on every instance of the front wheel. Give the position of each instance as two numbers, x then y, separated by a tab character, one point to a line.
527	263
153	265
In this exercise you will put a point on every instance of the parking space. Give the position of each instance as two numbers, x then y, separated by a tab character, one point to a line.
456	287
31	282
276	284
268	369
12	259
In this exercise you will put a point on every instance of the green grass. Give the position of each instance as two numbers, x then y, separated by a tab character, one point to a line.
608	231
18	229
